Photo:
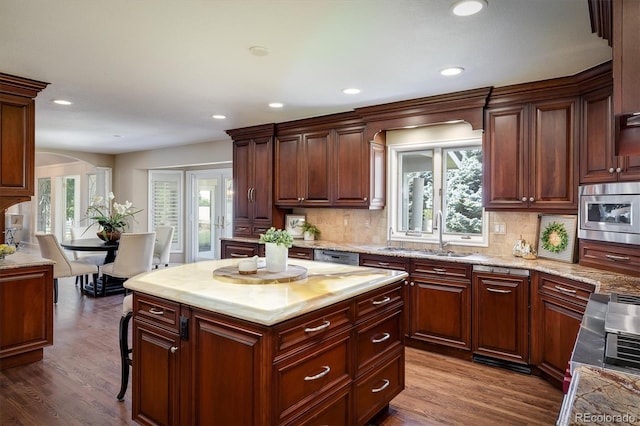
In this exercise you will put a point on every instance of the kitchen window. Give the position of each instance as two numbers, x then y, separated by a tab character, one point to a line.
437	176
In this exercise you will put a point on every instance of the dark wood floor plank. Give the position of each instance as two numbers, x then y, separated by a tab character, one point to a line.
79	377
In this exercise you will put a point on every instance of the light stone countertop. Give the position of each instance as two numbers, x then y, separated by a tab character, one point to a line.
194	284
22	260
604	281
601	396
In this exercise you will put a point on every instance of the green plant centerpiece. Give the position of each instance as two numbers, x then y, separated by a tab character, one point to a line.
310	230
277	243
113	217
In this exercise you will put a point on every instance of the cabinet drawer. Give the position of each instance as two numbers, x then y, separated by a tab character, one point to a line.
565	289
239	250
310	376
160	312
335	410
445	269
378	301
376	337
387	262
624	259
301	253
374	391
313	328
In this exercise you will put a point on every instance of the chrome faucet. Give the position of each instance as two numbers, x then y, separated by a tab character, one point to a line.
441	244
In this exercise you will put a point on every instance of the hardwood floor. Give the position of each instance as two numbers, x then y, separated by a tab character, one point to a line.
77	382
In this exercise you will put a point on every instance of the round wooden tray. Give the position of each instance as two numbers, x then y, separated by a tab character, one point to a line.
262	276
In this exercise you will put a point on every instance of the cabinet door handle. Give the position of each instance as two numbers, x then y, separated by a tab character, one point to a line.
382	301
565	290
383	263
249	194
385	385
301	254
611	170
322	326
531	199
617	258
325	370
385	336
365	199
618	170
495	290
155	311
173	349
440	270
238	255
253	194
524	199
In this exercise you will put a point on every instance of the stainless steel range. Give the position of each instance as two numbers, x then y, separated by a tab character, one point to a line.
622	331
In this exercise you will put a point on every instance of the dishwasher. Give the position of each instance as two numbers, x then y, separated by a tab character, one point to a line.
335	256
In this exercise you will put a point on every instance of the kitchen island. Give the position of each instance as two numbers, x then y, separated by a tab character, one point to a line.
211	349
26	308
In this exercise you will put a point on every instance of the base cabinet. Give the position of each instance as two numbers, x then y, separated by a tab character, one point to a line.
557	308
501	316
26	314
338	365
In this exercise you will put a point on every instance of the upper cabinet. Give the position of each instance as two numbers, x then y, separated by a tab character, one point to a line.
17	137
326	162
253	207
530	156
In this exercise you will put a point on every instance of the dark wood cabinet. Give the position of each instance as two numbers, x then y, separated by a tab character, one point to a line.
303	174
17	141
598	160
501	316
240	249
326	162
620	258
253	208
556	313
440	303
530	156
26	314
340	364
626	56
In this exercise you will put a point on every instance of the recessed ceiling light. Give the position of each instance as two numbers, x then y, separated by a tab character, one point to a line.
219	116
259	51
451	71
62	102
276	105
468	7
351	91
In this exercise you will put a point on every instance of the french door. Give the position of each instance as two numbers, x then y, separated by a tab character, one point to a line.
209	211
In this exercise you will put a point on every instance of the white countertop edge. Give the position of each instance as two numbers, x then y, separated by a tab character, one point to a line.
23	260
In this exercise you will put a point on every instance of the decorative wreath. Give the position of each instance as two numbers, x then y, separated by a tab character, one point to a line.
555	238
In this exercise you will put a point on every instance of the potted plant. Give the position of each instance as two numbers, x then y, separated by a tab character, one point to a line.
311	232
112	217
277	243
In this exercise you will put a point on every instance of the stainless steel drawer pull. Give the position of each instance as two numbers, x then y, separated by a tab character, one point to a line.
301	254
383	263
238	255
318	328
155	311
439	270
381	388
384	337
325	370
565	290
381	302
495	290
616	258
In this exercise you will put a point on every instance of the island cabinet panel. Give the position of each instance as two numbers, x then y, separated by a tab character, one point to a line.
530	152
440	304
26	314
501	316
557	307
340	364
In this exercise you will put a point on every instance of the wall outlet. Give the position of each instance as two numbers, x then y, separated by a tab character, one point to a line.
499	228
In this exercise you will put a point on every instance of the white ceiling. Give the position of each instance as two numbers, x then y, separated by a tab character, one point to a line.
146	74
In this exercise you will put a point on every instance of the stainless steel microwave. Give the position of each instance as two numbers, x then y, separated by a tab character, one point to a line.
610	212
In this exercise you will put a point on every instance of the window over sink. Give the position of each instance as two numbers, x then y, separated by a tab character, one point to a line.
429	173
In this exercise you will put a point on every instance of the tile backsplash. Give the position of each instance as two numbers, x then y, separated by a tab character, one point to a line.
360	226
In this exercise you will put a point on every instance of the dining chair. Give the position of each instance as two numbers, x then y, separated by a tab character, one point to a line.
135	256
91	257
162	246
50	249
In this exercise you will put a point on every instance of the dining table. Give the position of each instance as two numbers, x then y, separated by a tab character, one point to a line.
96	244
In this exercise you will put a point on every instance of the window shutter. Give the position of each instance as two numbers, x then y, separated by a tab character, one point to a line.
165	202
